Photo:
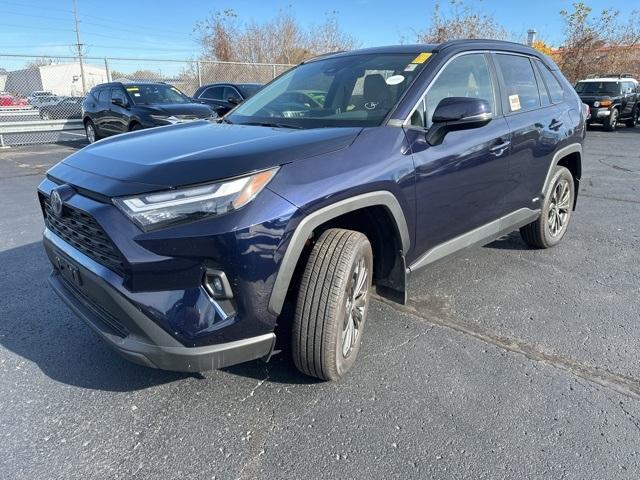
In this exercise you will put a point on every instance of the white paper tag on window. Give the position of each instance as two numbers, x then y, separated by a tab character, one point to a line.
514	101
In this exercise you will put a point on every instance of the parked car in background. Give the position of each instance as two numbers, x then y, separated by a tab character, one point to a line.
112	108
40	98
8	100
183	246
68	107
222	97
611	99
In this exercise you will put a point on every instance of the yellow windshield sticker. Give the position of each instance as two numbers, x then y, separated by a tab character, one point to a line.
423	57
132	89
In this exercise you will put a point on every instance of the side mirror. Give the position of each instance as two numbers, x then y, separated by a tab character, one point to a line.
458	113
234	100
119	102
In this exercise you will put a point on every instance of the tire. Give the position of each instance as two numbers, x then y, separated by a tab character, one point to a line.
91	132
334	293
633	121
611	121
551	226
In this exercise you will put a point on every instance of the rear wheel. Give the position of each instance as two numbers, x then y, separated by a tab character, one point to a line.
332	304
633	121
553	222
611	122
90	129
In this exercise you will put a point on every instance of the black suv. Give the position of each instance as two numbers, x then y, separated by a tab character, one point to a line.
117	107
192	246
611	99
222	97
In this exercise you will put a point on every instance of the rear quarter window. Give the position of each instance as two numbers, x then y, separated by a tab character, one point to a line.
554	87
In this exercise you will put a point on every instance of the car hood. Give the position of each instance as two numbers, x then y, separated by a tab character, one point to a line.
191	109
197	152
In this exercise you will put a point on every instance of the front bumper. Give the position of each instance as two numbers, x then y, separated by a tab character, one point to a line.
599	114
84	286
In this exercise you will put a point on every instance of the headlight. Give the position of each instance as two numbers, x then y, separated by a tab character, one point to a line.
164	119
605	103
596	104
154	210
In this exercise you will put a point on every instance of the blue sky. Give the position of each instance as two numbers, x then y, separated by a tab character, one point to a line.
164	29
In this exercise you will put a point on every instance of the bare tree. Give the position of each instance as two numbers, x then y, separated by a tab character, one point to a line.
40	62
278	40
599	44
463	21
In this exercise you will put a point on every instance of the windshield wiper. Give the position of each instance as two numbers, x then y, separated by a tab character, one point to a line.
274	124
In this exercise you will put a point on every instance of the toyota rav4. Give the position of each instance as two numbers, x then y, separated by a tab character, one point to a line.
183	245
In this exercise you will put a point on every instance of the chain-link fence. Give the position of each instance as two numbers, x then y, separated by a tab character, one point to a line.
41	97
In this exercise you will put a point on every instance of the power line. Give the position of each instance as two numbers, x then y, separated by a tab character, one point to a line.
24	5
33	15
34	28
138	26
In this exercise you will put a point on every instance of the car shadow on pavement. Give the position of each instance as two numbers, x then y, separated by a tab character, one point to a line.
37	327
510	241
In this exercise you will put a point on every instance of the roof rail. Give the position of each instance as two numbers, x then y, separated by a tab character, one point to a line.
618	75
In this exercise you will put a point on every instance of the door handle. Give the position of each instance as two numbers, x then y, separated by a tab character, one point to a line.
499	149
555	124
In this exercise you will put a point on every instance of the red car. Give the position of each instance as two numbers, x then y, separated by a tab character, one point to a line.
11	101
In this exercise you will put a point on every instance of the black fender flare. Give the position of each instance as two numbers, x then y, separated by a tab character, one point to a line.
313	220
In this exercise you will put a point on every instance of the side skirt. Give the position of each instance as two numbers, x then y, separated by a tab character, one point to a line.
479	236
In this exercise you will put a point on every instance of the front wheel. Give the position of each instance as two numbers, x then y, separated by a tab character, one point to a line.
611	121
90	129
332	304
557	205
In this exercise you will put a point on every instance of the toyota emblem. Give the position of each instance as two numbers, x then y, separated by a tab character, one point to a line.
56	203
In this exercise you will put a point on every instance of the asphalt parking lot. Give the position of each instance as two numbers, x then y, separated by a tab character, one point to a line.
507	363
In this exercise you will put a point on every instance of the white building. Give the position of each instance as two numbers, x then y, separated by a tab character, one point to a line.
61	79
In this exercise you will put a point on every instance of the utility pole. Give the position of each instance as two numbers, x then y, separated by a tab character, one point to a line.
79	46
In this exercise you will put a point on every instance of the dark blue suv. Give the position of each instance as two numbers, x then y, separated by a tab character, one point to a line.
183	246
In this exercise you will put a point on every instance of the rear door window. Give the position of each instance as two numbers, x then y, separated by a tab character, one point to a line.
520	92
212	93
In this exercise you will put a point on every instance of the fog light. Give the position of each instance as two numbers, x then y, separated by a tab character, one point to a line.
217	284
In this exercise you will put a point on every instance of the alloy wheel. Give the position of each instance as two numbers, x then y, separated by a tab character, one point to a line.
559	207
355	308
91	133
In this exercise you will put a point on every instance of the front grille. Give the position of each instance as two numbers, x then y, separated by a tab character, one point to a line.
80	230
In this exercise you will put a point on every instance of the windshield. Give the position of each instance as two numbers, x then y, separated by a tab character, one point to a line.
248	90
152	94
349	91
598	88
